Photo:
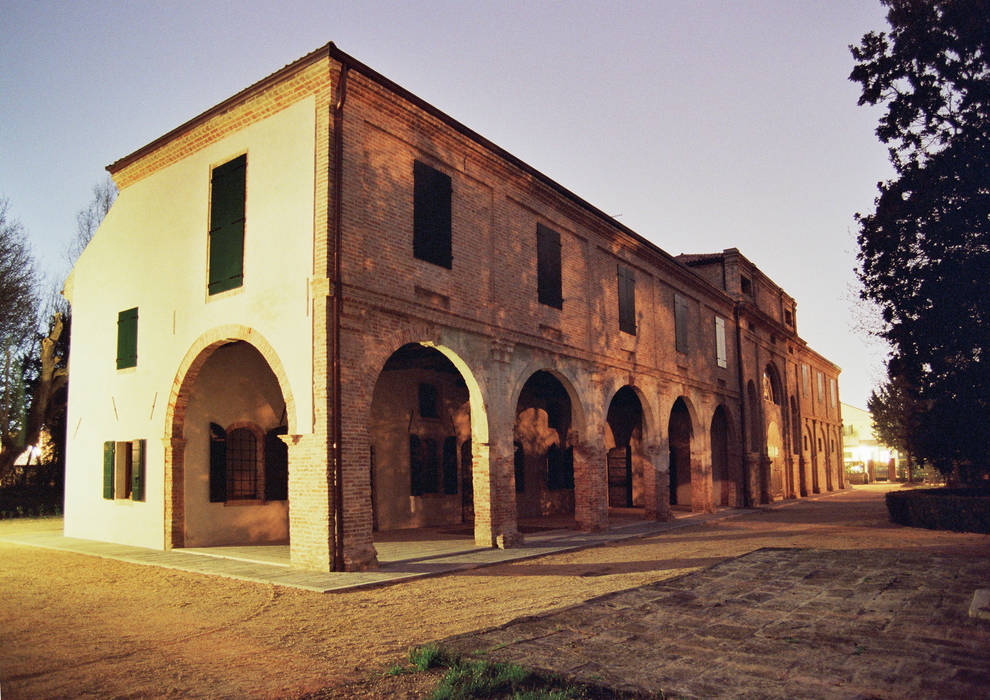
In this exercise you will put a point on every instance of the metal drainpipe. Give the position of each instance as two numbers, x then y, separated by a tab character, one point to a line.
336	429
747	500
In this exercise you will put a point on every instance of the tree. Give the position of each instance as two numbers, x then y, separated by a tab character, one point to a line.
90	218
895	417
925	250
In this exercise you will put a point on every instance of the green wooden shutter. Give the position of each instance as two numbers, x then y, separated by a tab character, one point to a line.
276	465
218	464
137	470
228	188
127	322
431	215
548	276
627	300
108	470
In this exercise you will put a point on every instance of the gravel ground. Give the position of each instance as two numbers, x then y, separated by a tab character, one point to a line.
72	625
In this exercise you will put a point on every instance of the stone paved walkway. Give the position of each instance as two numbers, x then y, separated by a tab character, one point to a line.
775	623
399	561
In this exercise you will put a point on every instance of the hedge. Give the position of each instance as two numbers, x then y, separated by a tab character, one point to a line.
961	510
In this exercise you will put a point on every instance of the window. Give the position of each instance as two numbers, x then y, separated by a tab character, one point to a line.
123	470
429	404
821	387
746	284
228	188
548	278
805	381
431	215
720	358
248	465
788	317
831	392
424	466
680	324
627	300
127	338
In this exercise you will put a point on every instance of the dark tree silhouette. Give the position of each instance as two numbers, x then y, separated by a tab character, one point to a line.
925	250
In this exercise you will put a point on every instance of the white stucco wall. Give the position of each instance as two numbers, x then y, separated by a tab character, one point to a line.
151	252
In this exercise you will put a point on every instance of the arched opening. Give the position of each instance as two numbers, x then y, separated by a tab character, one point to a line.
719	434
626	458
773	477
679	438
419	430
544	461
235	413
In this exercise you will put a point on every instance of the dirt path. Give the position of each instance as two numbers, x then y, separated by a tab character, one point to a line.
72	625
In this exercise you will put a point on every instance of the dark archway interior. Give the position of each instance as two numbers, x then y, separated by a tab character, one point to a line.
420	434
679	434
625	462
720	456
544	462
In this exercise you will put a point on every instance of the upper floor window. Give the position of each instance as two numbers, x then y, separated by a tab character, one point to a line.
127	322
720	358
680	323
548	278
627	300
228	189
431	215
832	392
821	387
805	380
746	285
788	317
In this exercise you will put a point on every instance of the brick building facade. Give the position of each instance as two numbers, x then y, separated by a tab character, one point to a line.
341	311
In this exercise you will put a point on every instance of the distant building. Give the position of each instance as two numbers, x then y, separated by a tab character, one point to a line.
864	457
324	308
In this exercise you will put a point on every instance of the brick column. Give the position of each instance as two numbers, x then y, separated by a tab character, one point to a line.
501	472
310	524
590	486
175	510
656	482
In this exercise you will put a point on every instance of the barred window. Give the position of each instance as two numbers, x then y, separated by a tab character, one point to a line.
242	464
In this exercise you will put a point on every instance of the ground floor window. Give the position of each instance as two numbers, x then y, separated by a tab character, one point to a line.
123	470
247	464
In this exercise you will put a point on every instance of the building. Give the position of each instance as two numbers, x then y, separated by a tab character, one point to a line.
865	458
324	308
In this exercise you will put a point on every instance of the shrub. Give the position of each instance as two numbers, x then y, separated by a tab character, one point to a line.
960	510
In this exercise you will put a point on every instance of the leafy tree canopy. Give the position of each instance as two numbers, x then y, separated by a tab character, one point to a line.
925	250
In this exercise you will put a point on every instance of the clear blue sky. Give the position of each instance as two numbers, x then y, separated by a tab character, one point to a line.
704	125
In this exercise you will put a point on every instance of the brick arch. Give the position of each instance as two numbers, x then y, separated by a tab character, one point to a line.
197	355
578	417
190	366
651	429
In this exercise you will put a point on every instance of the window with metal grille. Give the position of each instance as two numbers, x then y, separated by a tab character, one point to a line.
242	464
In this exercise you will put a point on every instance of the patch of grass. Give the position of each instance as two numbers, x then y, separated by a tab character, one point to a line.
397	670
426	657
482	679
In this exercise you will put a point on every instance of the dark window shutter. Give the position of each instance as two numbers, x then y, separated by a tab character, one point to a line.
569	468
127	338
415	465
429	404
276	466
218	464
681	324
431	466
228	188
548	275
138	458
108	463
431	215
519	463
467	476
450	465
627	300
555	464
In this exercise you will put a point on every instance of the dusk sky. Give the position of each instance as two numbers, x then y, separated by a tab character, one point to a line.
701	125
